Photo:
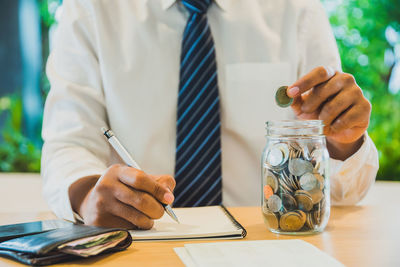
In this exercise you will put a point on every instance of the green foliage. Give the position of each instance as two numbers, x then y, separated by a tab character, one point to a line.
360	27
47	10
17	153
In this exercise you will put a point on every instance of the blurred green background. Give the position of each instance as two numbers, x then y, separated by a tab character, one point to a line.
367	33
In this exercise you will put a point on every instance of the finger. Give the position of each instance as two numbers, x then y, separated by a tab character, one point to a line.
168	181
333	108
296	107
308	81
358	116
143	182
141	201
321	93
131	215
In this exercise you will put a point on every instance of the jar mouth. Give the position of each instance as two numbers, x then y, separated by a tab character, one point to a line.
294	127
295	123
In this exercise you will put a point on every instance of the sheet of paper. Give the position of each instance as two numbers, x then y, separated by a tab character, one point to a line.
282	253
194	222
185	257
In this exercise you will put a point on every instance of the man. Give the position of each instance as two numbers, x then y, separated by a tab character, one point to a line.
187	86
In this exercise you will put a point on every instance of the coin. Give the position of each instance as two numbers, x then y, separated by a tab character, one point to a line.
305	151
271	219
274	203
317	216
285	186
303	215
299	167
268	191
288	202
291	221
316	195
310	221
304	200
281	97
308	181
272	181
277	155
320	179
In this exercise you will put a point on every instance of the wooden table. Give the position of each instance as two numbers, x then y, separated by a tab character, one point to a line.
363	235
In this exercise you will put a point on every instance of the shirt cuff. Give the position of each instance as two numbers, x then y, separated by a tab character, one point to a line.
351	179
64	210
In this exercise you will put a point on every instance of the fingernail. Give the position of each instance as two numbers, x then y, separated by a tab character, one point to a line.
168	197
292	92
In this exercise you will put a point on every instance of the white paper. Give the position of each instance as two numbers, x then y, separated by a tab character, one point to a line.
282	253
185	257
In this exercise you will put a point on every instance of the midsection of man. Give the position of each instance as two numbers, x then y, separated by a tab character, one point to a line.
127	62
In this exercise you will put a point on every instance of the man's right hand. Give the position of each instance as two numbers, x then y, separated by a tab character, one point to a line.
123	197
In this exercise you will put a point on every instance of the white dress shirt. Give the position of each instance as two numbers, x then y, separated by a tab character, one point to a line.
116	63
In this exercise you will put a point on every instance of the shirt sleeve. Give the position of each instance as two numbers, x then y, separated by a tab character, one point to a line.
350	179
74	111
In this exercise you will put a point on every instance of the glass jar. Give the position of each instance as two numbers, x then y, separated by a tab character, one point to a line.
295	182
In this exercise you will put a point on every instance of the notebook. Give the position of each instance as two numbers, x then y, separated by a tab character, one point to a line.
282	253
212	222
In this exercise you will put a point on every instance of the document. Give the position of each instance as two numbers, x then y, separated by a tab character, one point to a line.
282	253
212	222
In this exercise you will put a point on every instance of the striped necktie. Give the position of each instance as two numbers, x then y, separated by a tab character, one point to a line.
198	149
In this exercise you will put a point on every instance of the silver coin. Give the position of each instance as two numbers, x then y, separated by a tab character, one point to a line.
317	154
308	181
277	155
274	203
305	151
298	167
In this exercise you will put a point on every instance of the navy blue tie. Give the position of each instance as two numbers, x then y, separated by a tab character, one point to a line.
198	148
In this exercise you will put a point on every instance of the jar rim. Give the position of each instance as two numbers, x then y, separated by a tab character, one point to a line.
294	123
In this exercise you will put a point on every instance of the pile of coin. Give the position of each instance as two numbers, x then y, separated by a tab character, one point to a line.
294	186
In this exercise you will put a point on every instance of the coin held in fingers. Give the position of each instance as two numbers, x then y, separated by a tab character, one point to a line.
281	97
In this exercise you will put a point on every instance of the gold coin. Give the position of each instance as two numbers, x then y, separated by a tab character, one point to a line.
271	219
304	200
310	221
281	97
303	215
316	195
291	221
272	181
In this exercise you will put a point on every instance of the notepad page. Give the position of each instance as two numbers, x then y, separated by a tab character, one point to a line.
197	222
282	253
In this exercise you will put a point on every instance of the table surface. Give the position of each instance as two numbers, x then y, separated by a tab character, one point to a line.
364	235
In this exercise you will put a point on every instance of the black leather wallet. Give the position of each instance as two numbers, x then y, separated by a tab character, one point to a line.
43	249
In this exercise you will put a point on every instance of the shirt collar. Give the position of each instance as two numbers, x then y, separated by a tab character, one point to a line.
223	4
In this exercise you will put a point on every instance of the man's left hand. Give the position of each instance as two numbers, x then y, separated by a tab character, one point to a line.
336	99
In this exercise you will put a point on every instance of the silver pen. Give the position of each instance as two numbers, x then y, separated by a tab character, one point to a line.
124	154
